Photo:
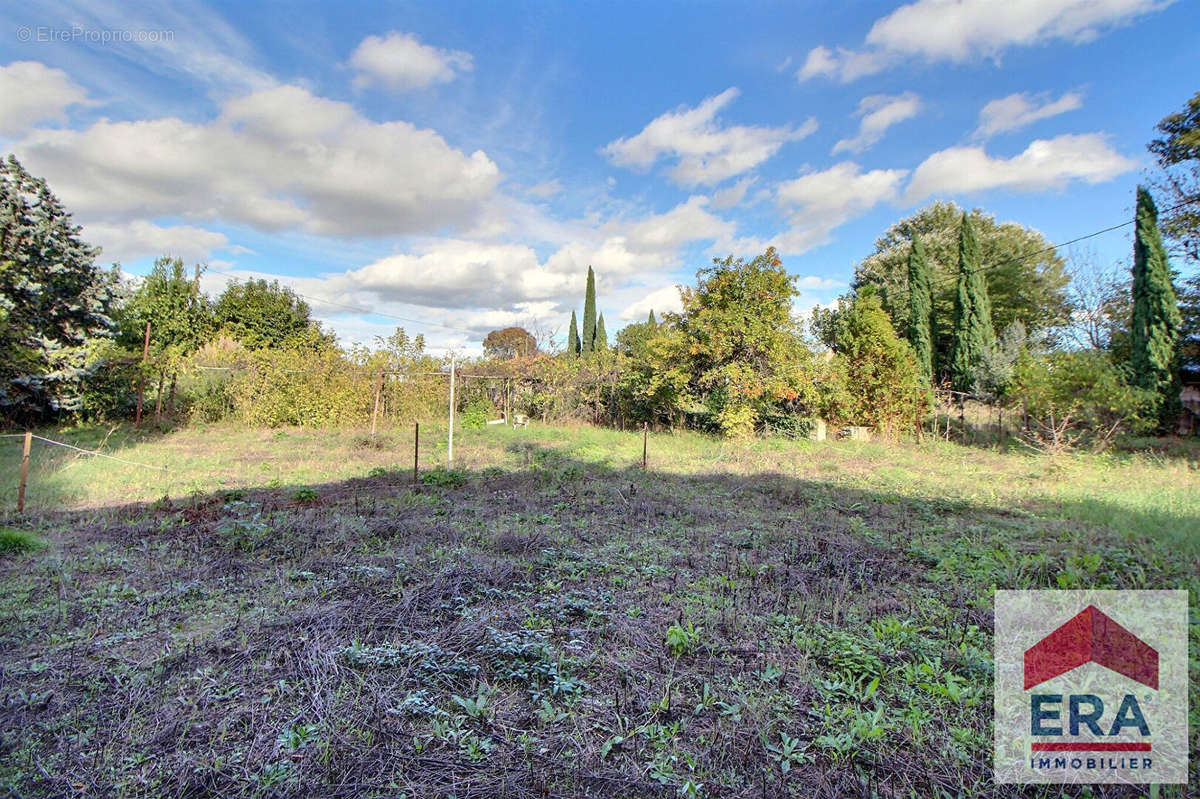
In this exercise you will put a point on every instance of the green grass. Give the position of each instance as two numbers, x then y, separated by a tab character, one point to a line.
285	613
18	542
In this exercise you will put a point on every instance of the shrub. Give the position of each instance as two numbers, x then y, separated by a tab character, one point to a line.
446	478
18	542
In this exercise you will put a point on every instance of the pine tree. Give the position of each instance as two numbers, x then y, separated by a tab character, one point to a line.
973	332
601	342
652	320
573	337
920	315
53	299
1154	337
588	343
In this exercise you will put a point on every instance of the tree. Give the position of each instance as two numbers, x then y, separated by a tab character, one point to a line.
53	299
1026	278
588	343
178	315
651	319
883	384
920	314
573	344
1178	154
1154	336
973	331
509	343
601	342
263	314
741	342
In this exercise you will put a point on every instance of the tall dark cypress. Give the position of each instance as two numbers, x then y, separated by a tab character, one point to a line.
1154	337
920	312
573	337
973	331
601	342
589	314
652	320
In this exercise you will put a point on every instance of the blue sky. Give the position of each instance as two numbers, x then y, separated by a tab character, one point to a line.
461	164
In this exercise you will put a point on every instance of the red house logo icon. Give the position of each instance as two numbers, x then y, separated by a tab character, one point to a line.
1091	637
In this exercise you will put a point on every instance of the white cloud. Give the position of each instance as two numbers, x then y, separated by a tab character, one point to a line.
1020	110
814	283
546	189
401	62
274	160
33	92
665	299
1045	164
961	30
731	195
663	233
138	239
879	112
818	202
707	151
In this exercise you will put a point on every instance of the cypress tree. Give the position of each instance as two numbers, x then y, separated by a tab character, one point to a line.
1154	337
589	314
920	313
601	335
973	332
652	320
573	337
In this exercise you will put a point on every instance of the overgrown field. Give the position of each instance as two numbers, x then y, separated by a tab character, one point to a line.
283	614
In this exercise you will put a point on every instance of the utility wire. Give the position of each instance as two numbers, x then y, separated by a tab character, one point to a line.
1054	247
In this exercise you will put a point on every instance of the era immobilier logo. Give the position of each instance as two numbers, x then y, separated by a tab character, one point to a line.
1091	686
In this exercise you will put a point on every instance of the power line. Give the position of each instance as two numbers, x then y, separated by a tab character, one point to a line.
1054	247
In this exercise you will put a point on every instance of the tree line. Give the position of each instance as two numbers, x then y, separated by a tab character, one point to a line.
950	299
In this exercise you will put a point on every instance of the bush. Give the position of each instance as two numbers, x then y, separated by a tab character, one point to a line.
477	413
446	478
1079	398
18	542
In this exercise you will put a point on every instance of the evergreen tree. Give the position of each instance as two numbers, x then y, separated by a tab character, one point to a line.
264	315
588	333
601	342
652	320
973	332
920	315
573	337
1154	337
53	299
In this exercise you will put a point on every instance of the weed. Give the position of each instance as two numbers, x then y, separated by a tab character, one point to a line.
18	542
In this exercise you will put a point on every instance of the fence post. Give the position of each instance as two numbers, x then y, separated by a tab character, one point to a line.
450	439
24	472
645	440
137	420
378	389
962	416
416	450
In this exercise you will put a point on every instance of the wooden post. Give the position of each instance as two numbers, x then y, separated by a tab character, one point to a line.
645	441
962	417
378	390
137	420
24	472
416	451
450	438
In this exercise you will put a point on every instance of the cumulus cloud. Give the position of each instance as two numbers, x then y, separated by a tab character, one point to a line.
818	202
1020	110
665	299
706	151
139	239
1046	164
960	30
733	195
879	112
402	62
32	92
277	159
